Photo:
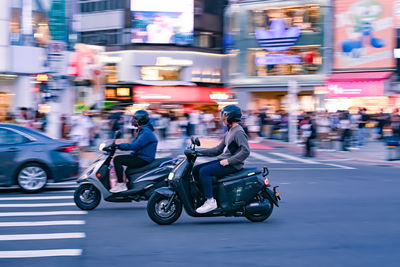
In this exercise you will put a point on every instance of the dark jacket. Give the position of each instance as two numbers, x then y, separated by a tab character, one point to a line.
144	145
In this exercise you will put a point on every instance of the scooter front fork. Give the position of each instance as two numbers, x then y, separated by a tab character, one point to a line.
170	201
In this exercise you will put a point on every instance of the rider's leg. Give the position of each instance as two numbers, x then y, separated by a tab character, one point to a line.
125	160
206	174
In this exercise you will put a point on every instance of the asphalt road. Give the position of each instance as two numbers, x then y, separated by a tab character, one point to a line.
332	214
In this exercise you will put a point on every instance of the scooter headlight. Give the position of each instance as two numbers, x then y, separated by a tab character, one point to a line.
171	176
102	146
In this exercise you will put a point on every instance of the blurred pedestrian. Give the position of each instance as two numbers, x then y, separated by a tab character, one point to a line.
345	129
363	120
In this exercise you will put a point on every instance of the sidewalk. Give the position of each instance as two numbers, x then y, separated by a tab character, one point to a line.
374	152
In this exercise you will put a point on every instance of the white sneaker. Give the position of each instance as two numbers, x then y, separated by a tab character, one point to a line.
209	205
120	187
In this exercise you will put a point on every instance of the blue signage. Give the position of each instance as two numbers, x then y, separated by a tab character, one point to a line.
277	38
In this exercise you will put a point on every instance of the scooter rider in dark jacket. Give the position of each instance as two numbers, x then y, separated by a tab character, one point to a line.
143	147
231	152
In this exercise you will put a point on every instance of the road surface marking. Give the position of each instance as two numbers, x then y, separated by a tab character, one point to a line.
335	160
41	236
294	169
41	223
36	198
37	205
41	213
340	166
264	158
284	183
294	158
64	183
39	253
163	155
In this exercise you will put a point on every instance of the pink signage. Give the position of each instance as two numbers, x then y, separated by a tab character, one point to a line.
360	84
355	89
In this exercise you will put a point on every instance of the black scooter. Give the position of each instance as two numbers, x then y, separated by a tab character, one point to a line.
95	180
245	193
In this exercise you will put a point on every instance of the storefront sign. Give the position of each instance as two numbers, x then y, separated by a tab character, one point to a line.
364	34
275	59
123	92
168	61
179	94
355	89
277	38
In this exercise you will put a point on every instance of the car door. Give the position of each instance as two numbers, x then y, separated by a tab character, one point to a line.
11	146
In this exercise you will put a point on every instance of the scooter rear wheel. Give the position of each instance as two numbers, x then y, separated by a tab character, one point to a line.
156	209
260	216
87	197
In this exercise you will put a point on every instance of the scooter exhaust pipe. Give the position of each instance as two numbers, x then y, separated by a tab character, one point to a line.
258	207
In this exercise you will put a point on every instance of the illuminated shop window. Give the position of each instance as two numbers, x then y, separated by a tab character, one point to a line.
298	60
307	17
40	34
153	73
111	73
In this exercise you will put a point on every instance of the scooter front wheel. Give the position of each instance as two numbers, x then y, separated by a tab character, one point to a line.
156	209
87	197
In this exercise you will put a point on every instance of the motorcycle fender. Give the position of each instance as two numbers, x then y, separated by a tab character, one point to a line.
271	196
164	191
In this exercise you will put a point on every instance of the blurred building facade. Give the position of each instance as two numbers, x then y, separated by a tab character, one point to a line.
270	44
158	51
29	29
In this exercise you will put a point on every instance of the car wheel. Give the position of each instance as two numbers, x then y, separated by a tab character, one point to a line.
32	178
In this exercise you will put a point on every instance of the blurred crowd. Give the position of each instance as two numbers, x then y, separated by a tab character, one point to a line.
338	130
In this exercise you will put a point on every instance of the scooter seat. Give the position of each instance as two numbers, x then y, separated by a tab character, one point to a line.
246	172
154	164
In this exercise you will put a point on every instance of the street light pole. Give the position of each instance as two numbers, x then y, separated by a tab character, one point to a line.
292	101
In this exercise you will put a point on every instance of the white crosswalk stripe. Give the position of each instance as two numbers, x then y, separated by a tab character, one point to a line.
39	253
41	223
265	158
18	215
294	158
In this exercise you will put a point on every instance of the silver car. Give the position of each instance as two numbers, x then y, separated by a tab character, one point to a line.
30	159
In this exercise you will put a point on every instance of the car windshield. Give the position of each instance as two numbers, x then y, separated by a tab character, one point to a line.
35	132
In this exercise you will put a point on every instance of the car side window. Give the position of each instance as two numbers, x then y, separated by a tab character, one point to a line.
8	137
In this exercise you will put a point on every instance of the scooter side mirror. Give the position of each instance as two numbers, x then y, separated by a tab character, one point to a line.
117	135
197	141
192	139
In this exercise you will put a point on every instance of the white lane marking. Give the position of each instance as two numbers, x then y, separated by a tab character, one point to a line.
37	205
39	253
294	169
264	158
41	213
163	155
63	183
294	158
340	166
41	223
284	183
36	198
335	160
41	236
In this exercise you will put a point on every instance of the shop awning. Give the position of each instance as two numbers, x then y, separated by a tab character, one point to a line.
357	84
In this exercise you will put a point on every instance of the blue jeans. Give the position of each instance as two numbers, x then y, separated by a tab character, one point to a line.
361	136
205	172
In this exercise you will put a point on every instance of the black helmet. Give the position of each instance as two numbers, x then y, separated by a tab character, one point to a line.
233	113
142	117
